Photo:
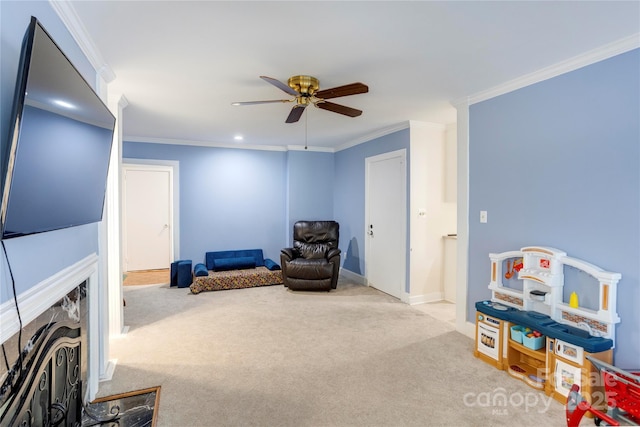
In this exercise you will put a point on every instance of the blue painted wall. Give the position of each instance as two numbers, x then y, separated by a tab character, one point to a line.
35	258
229	198
349	192
310	180
558	164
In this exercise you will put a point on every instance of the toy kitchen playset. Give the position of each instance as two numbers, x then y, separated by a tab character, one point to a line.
537	334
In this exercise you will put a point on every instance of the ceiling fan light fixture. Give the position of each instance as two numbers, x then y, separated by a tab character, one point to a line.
306	90
304	85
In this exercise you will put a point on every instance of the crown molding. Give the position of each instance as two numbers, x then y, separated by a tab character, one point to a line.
309	148
365	138
373	135
119	99
460	103
78	31
591	57
123	102
239	146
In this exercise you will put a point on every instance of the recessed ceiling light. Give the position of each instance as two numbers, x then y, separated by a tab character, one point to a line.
238	137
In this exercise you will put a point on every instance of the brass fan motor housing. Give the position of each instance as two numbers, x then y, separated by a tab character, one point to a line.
306	86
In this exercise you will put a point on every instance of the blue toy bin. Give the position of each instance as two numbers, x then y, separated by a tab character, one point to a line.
516	333
534	343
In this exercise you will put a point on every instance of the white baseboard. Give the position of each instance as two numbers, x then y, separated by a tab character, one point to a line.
426	298
108	373
361	280
467	328
123	333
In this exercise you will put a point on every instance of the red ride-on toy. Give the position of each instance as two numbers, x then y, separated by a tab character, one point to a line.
577	406
622	390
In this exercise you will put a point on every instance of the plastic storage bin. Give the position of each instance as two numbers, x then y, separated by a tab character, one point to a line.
534	343
516	333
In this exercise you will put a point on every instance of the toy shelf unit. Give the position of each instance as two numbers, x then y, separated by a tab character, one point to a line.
532	279
527	364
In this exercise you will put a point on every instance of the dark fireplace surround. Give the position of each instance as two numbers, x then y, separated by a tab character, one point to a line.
43	367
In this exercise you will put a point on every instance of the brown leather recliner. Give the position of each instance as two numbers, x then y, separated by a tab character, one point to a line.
313	263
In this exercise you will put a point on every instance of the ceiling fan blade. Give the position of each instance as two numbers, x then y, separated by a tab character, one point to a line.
337	108
296	113
235	104
280	85
350	89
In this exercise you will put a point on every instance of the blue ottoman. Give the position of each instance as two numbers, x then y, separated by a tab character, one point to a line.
181	273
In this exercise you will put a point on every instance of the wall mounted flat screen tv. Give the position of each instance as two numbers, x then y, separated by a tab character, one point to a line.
59	145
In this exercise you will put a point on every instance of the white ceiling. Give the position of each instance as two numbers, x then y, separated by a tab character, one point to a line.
181	64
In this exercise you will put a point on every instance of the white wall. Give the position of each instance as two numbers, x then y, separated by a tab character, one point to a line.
430	217
450	165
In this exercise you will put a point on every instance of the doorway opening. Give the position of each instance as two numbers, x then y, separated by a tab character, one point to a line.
147	217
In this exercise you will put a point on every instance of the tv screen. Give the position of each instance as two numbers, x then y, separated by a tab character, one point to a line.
59	147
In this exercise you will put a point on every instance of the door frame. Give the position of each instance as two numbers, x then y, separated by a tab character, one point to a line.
172	202
402	216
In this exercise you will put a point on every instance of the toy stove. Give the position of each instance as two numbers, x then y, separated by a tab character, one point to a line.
541	273
543	279
534	281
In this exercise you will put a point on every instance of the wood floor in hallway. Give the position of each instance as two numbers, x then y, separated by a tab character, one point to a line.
146	277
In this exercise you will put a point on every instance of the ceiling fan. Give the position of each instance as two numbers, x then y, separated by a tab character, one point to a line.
305	91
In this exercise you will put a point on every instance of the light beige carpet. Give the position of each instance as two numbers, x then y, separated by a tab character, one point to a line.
271	357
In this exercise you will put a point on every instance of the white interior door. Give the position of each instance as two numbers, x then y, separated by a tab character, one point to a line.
147	217
385	222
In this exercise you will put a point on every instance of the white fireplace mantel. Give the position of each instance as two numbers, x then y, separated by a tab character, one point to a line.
42	296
